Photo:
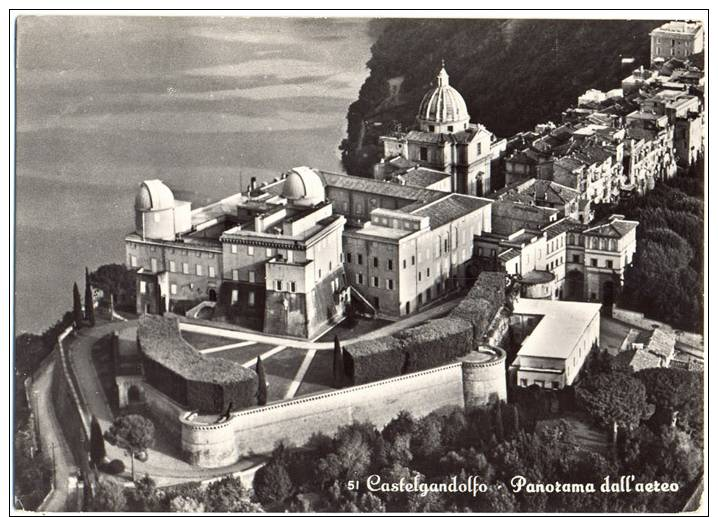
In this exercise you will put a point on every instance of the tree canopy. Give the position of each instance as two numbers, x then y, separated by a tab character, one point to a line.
614	397
134	431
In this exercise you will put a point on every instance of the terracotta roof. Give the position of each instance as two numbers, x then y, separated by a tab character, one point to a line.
399	162
561	226
378	187
615	226
553	192
569	163
429	138
661	343
450	208
423	177
638	359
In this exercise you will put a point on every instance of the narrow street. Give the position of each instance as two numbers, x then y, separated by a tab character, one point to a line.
52	440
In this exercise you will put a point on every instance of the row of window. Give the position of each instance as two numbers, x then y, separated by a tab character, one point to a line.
198	269
375	282
252	276
172	251
250	297
576	259
540	383
234	248
594	262
279	285
555	244
390	262
554	264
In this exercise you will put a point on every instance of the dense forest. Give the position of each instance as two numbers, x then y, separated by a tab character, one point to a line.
521	438
665	280
513	74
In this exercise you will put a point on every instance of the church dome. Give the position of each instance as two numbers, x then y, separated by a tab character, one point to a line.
154	195
443	104
304	187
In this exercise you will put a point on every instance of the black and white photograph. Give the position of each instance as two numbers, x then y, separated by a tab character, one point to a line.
358	262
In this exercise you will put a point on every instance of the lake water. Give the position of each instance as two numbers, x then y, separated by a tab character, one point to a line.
201	103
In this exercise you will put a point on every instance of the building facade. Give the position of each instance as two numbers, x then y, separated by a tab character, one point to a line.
676	39
563	259
401	261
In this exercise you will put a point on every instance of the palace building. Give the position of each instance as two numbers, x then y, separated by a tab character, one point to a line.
279	258
271	262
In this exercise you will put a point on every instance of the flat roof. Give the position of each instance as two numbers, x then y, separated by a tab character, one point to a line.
375	230
561	326
679	27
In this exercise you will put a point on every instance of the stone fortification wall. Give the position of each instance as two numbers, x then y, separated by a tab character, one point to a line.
209	444
477	380
484	377
257	430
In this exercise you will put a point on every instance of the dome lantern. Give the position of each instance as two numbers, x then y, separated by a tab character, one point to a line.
443	109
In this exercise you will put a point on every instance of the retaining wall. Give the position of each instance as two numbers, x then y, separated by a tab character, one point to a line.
638	319
258	430
72	418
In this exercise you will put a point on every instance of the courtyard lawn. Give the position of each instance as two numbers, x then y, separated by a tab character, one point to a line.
203	341
243	354
281	369
319	376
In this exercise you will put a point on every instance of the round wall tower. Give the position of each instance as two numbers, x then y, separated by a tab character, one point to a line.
484	377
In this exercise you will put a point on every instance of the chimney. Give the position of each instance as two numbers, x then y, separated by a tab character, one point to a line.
253	183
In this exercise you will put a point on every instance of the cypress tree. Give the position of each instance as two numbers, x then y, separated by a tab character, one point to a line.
112	307
516	421
499	429
89	304
76	306
97	442
338	370
261	383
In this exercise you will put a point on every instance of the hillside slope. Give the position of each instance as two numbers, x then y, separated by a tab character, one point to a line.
512	73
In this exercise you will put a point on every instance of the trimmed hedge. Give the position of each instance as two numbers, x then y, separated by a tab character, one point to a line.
435	343
482	302
174	367
431	344
369	361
